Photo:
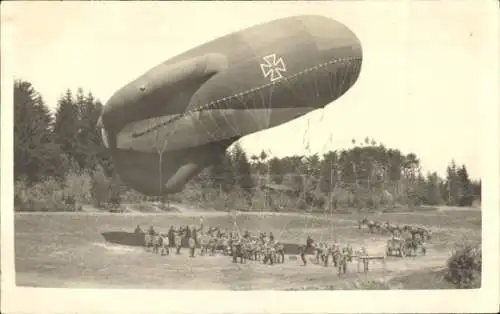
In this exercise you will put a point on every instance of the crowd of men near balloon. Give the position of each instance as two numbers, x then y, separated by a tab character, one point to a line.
215	240
264	247
244	247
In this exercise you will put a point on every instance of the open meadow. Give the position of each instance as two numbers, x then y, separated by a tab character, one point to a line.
70	250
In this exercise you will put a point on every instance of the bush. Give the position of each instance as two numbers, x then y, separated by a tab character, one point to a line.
99	188
78	187
466	201
48	195
464	266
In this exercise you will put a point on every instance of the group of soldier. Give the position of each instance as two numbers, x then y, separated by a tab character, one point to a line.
174	238
261	247
322	251
244	246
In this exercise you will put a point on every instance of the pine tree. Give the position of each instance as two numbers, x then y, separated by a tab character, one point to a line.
463	178
243	171
476	187
35	154
420	189
329	172
396	162
276	170
347	168
464	186
433	189
67	126
222	174
90	150
453	192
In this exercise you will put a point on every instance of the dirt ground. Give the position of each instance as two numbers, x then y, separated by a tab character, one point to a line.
69	250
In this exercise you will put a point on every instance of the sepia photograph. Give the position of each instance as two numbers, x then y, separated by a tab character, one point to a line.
248	146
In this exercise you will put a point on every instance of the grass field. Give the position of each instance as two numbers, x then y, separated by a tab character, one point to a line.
69	250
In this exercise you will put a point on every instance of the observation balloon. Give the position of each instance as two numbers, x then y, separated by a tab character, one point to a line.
166	126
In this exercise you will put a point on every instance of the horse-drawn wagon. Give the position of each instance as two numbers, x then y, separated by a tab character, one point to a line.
404	247
396	247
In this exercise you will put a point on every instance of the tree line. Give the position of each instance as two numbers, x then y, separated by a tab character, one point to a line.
57	149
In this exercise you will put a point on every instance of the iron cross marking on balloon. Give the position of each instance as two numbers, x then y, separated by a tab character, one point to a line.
273	67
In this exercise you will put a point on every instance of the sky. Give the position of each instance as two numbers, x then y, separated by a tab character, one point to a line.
420	87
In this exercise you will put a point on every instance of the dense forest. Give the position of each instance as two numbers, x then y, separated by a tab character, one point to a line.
61	164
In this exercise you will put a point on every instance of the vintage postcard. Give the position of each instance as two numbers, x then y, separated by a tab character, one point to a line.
253	157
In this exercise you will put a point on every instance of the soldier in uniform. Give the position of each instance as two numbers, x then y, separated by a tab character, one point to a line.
138	230
268	252
151	230
171	237
178	240
264	237
192	246
194	234
187	233
235	248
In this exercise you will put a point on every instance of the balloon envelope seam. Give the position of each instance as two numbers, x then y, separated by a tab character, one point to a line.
214	102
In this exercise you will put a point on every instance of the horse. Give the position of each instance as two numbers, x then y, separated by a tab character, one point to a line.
371	224
303	249
424	233
393	229
413	244
415	230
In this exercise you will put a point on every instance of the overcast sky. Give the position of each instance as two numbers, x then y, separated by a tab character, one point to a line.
419	88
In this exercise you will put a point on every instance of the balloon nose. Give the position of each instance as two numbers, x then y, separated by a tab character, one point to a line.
333	39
